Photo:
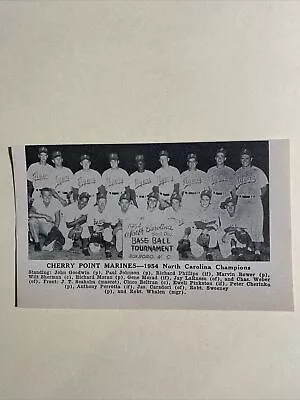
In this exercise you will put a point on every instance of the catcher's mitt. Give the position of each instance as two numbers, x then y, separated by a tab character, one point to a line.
75	233
183	246
203	240
242	236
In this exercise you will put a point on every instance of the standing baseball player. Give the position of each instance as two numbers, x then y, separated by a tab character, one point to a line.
62	179
44	219
141	182
233	233
75	227
193	182
99	224
251	185
115	180
220	179
204	227
167	180
86	180
39	174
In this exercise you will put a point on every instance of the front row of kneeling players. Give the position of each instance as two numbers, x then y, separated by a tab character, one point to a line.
93	226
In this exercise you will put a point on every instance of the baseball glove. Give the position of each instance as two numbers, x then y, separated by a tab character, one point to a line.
183	246
242	236
203	240
75	233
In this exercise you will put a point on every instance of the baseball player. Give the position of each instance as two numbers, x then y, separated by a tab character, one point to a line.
152	212
167	180
220	179
62	179
233	233
44	219
141	182
251	185
75	225
99	224
126	211
204	227
115	180
86	180
193	182
39	174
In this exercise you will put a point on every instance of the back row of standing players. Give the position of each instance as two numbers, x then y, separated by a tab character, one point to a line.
245	187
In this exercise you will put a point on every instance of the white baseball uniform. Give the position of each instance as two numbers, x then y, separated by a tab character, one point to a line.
166	178
192	184
248	182
72	213
62	181
50	210
97	219
132	214
142	183
221	182
87	180
40	175
115	180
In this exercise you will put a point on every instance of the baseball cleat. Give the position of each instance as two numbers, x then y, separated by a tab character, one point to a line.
209	257
37	247
49	247
86	252
108	254
120	254
94	247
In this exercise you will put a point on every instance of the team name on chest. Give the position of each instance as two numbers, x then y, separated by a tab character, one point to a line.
163	180
141	182
114	181
192	181
40	175
246	179
61	179
219	179
85	180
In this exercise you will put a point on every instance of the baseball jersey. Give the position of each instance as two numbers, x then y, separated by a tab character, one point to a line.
178	217
206	214
97	218
249	181
142	182
166	178
72	212
194	181
131	214
62	179
40	175
227	221
87	180
221	179
49	210
151	216
115	180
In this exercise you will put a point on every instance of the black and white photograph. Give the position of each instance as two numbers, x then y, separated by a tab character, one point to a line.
197	201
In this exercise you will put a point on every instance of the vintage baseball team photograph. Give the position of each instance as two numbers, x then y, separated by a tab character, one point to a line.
216	194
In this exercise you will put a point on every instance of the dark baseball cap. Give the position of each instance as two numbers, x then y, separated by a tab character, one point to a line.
85	157
246	152
163	153
206	193
42	149
175	196
113	156
125	196
56	153
191	156
139	157
221	150
153	195
102	193
225	203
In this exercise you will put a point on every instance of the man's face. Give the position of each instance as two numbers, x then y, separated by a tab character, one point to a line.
205	201
175	204
164	160
220	159
124	204
246	160
82	202
101	204
152	203
43	157
140	165
230	207
114	164
58	161
192	164
85	164
46	196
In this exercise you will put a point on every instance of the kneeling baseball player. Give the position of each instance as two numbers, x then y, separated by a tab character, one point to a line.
99	224
44	219
233	234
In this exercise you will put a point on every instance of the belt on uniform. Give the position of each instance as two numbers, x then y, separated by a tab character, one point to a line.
246	196
58	191
191	192
141	196
219	193
114	193
164	194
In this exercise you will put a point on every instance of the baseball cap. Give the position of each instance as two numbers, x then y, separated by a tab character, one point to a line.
163	153
205	193
224	203
102	193
113	156
221	150
153	195
175	196
42	149
246	152
139	157
85	157
190	156
84	195
56	153
125	196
